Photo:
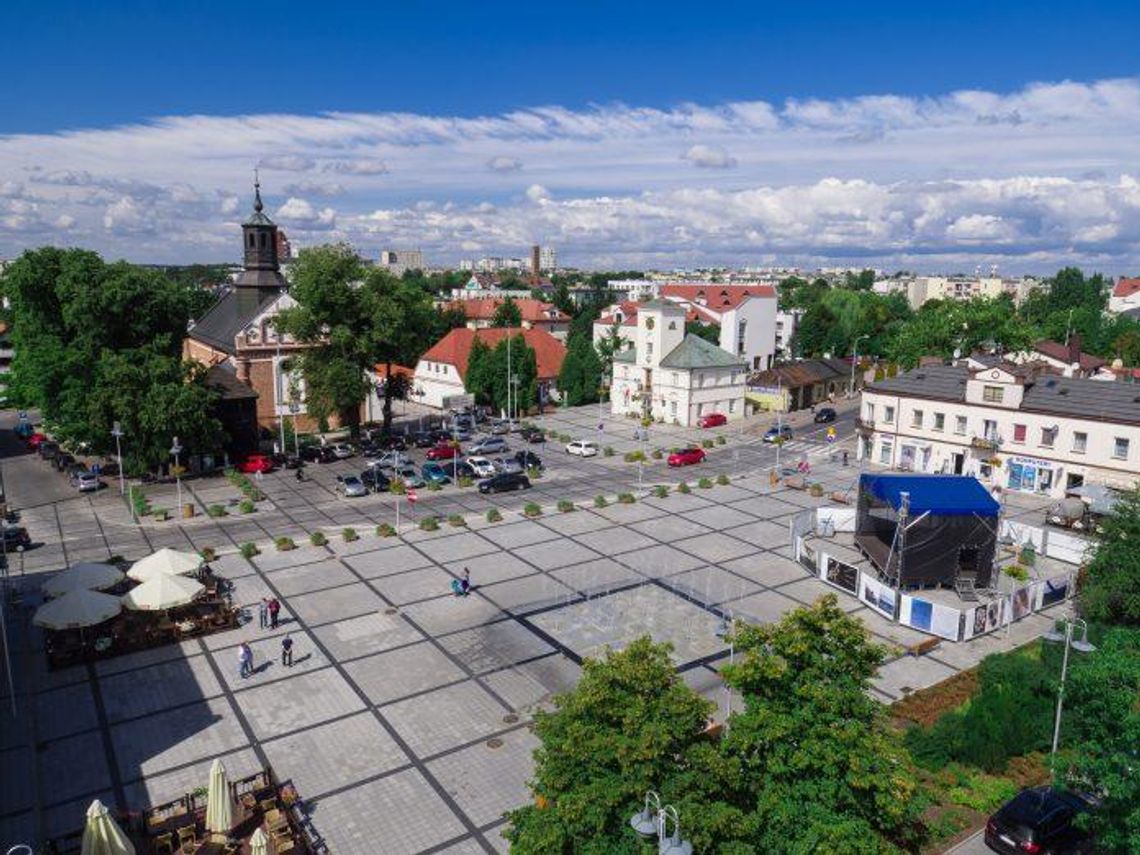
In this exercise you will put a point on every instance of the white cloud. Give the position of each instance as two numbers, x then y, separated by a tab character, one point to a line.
709	157
1026	177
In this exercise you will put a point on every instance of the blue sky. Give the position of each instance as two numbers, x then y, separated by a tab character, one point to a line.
621	132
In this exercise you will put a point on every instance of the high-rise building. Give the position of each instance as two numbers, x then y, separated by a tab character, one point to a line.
284	248
548	259
399	260
535	260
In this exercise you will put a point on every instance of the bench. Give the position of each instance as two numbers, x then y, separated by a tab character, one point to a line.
795	483
923	647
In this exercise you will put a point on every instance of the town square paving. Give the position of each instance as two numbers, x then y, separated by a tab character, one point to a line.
405	719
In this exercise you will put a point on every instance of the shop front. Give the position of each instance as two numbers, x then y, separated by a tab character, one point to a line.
1031	475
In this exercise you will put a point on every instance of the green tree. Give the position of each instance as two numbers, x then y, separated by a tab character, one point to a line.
1110	591
487	374
609	345
815	748
507	314
581	370
861	281
709	332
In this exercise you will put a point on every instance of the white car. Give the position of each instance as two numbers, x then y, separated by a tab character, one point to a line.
481	466
343	451
87	482
389	460
582	448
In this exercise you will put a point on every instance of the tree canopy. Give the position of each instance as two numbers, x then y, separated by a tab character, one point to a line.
1110	590
507	314
582	369
487	375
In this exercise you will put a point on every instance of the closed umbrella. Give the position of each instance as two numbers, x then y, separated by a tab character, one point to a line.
77	609
165	562
219	805
258	843
102	835
161	593
79	577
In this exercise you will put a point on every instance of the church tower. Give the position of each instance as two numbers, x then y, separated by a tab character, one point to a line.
259	238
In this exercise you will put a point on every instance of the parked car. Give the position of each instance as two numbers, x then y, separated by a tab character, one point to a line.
287	461
435	473
393	443
824	415
582	448
459	469
481	466
16	535
1040	819
407	473
48	450
87	482
533	435
528	459
712	420
375	480
500	426
686	457
317	454
424	439
343	451
507	464
63	461
504	481
350	486
773	433
256	463
488	445
443	452
389	460
73	473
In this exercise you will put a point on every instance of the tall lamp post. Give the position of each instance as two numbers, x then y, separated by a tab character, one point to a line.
653	821
854	362
278	390
176	450
117	433
294	408
1081	646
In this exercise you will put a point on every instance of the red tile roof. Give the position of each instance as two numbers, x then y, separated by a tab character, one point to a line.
717	296
1062	353
1126	287
455	348
532	311
396	371
628	313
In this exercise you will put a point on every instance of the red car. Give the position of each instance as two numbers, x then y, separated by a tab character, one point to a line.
256	463
35	439
443	452
686	457
712	420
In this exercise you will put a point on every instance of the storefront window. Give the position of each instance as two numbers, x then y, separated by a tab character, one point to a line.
885	454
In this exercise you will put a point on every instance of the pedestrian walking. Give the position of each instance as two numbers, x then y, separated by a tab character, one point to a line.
287	651
844	458
274	609
465	582
245	659
457	587
263	612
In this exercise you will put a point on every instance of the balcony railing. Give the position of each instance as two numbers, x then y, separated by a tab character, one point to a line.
865	425
987	442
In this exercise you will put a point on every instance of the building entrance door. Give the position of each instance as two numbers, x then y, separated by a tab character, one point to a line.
959	462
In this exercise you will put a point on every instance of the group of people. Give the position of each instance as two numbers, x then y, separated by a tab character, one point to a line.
269	610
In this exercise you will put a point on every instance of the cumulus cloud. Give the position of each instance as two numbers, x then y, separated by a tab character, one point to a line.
501	163
1028	177
709	157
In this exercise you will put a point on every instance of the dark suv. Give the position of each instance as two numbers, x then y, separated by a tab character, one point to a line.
1040	820
528	460
317	454
504	481
375	480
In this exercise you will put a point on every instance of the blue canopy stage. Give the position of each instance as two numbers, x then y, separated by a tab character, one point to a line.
928	530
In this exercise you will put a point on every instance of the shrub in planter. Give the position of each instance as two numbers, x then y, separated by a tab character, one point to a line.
429	524
683	488
284	544
566	506
465	481
626	498
816	489
722	479
720	440
661	491
705	483
533	473
608	451
216	511
248	549
385	530
1027	555
531	509
208	554
600	501
493	515
317	538
349	535
398	487
658	454
706	443
1017	571
434	486
247	507
634	456
456	520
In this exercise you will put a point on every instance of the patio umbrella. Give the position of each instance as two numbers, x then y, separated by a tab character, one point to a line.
219	805
102	835
83	577
258	843
161	593
77	609
165	562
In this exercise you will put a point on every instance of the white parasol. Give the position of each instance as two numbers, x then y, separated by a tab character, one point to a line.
165	562
161	593
77	609
102	835
219	805
83	577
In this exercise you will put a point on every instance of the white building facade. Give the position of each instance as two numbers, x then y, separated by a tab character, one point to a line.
1014	427
671	377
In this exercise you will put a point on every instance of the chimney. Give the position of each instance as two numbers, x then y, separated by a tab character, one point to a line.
1075	349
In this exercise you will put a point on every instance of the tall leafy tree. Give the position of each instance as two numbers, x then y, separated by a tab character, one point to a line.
581	370
609	345
507	314
487	374
1110	590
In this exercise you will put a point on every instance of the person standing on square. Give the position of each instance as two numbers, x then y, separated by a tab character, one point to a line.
465	582
287	651
263	612
245	658
274	609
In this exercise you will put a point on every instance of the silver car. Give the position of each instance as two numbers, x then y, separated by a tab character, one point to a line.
488	445
351	486
87	482
507	464
408	473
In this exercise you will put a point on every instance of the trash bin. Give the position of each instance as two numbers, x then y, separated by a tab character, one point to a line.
187	511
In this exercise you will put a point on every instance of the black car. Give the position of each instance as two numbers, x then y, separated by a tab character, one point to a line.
287	461
504	481
528	460
62	461
48	450
317	454
375	480
393	443
533	435
1040	820
824	415
16	535
424	439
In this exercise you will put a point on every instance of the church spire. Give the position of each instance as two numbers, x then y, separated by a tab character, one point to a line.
257	206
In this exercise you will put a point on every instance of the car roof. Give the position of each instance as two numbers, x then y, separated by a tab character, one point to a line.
1033	806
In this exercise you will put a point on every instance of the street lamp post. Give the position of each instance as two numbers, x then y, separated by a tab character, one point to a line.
176	450
117	433
278	390
294	407
854	362
653	821
1081	646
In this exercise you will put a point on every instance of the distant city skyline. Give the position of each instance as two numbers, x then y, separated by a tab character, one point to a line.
621	138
